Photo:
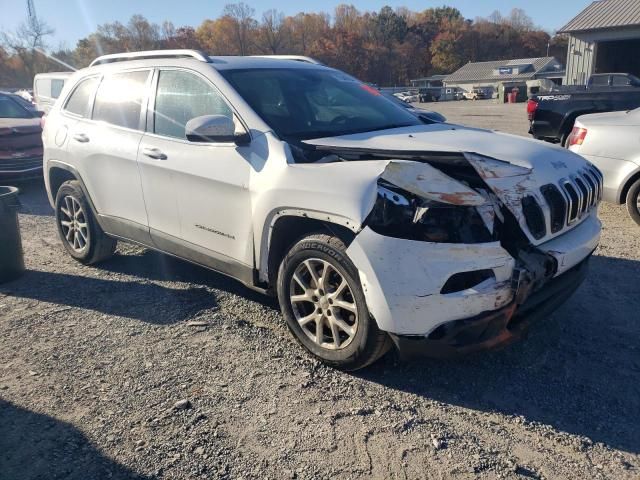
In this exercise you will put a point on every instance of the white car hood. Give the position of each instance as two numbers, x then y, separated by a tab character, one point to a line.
445	137
531	163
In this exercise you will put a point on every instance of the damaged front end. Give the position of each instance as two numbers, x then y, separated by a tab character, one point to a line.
447	264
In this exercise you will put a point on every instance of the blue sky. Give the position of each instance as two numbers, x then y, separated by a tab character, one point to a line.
74	19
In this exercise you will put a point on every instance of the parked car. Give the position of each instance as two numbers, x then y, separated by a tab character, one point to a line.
47	88
20	140
553	114
458	95
25	103
407	97
612	80
475	94
427	116
429	94
372	228
611	141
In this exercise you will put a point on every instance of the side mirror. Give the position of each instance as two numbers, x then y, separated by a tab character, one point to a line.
213	128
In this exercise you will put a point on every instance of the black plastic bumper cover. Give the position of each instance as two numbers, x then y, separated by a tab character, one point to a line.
496	328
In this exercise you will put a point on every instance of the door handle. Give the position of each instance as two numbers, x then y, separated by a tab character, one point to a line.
154	153
81	137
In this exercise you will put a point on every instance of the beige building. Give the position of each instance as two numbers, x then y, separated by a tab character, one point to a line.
603	38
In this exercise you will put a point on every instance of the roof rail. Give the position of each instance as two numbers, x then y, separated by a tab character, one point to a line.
122	57
298	58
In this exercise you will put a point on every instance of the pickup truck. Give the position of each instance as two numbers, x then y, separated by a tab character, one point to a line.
551	115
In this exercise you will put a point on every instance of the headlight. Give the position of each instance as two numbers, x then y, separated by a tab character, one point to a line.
400	214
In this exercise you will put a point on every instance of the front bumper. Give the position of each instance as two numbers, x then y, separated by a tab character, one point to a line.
494	329
403	280
20	168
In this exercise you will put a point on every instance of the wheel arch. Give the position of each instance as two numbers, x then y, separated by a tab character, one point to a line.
627	186
290	226
57	174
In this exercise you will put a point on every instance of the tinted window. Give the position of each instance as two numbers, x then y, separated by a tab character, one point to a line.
306	103
600	80
56	87
11	109
78	102
119	99
621	81
182	96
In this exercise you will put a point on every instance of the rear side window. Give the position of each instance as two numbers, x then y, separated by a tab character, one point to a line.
621	81
182	96
119	98
600	80
56	87
43	87
78	102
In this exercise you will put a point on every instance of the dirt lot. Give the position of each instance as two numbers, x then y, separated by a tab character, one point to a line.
95	364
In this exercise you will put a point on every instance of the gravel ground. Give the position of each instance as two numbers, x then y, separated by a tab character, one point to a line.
148	367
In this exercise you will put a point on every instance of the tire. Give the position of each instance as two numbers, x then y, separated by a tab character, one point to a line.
633	201
361	342
79	232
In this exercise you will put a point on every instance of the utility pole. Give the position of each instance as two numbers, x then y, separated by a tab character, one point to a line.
31	14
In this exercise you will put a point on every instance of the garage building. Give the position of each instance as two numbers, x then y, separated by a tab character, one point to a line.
603	38
490	76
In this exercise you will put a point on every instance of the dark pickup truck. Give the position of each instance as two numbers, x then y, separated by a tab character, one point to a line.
552	114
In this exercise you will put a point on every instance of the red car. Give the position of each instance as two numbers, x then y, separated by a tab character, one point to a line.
20	139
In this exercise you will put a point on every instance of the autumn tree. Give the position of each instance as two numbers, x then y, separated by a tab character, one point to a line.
273	34
244	25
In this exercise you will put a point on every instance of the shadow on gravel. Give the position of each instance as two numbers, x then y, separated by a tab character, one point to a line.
152	265
578	371
35	446
33	198
147	302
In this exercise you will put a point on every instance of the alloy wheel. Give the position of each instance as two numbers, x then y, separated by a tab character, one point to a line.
74	224
323	304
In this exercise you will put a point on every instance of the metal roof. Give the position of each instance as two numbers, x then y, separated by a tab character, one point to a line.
605	14
485	71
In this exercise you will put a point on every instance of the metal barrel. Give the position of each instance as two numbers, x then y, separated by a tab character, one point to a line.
11	256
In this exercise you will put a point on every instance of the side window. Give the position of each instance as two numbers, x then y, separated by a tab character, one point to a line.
56	87
43	87
621	81
600	80
182	96
119	98
78	101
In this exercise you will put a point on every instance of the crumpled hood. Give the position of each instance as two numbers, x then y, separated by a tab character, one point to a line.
530	163
445	137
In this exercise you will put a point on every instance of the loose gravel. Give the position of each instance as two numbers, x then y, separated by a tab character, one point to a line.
148	367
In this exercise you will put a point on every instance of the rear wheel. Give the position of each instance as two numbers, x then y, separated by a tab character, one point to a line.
633	201
322	301
80	233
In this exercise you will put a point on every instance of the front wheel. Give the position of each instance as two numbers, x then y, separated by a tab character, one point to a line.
322	301
633	201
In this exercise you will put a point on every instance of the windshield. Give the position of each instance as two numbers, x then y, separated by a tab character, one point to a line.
300	104
10	109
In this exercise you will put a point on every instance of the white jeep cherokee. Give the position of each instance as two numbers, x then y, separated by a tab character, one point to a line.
373	228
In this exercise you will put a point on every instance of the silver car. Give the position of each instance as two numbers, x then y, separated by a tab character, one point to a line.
611	141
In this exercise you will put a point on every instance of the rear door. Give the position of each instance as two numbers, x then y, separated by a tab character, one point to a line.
197	194
105	150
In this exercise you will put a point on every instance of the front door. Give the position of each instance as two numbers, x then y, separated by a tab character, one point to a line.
197	194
